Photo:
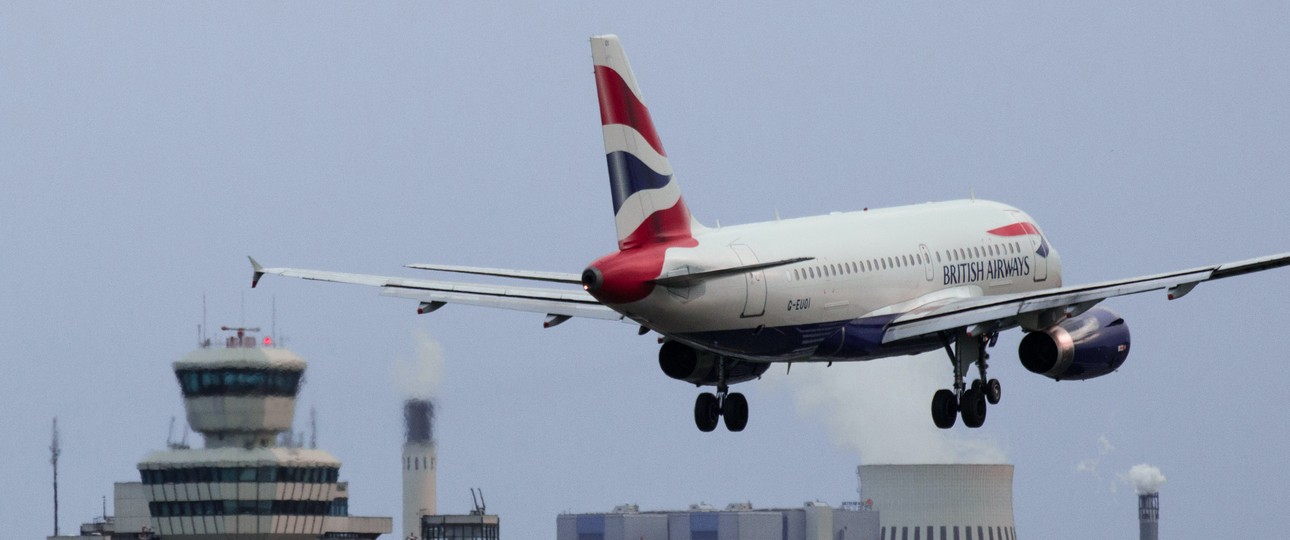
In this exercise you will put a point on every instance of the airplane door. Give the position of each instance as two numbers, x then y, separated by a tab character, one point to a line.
927	261
755	299
1041	262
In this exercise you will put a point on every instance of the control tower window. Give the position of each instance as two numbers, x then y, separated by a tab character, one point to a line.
238	382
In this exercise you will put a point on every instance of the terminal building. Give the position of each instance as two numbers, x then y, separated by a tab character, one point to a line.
739	521
901	502
242	485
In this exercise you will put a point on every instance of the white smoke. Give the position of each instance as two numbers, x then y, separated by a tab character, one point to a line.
1145	478
882	409
419	376
1090	465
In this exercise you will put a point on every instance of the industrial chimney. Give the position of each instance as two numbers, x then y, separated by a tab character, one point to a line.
1146	479
1149	516
418	465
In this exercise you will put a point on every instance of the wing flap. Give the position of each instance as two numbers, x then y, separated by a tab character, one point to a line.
532	305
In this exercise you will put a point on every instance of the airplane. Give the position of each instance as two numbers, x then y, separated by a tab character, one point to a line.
730	301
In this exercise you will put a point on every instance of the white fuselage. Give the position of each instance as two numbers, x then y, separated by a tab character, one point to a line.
865	264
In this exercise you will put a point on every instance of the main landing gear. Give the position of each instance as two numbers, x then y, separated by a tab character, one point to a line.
971	401
727	405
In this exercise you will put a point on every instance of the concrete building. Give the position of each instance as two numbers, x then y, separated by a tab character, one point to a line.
242	485
474	526
941	502
740	521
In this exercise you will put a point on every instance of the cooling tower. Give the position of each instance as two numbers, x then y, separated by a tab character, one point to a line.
941	502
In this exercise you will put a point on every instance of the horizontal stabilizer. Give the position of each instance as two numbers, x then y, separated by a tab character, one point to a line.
688	280
534	275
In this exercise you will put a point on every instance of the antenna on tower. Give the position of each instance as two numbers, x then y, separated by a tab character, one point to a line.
204	342
273	319
54	450
481	507
313	427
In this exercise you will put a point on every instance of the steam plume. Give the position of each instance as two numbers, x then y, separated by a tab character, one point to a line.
419	376
1145	478
881	409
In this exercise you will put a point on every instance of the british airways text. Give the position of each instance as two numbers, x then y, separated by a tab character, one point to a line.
968	272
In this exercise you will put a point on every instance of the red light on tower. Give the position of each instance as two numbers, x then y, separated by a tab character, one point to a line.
268	341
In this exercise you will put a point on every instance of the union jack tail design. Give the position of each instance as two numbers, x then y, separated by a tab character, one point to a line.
647	201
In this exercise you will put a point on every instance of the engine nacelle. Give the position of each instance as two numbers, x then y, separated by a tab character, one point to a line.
682	362
1090	345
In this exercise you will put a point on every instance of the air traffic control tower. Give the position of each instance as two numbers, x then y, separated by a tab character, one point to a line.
242	485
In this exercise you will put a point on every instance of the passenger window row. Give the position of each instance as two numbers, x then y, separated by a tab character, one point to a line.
885	263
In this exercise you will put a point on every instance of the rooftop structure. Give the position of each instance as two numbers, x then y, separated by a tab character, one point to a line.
738	521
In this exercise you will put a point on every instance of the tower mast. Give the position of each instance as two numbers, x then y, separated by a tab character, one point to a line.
54	450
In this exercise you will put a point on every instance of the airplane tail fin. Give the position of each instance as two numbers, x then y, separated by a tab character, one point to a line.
648	208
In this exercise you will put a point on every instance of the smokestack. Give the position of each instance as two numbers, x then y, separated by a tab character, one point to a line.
1149	516
419	456
418	421
1146	479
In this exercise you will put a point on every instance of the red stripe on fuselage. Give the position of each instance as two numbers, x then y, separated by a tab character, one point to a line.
619	105
1020	228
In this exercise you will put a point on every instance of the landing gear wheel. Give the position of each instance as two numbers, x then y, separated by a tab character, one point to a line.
707	411
993	391
945	409
735	412
973	408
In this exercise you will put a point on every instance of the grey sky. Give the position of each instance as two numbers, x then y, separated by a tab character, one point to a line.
146	148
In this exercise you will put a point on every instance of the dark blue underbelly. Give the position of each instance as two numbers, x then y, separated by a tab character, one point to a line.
855	339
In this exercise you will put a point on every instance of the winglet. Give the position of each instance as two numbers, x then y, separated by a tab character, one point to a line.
257	271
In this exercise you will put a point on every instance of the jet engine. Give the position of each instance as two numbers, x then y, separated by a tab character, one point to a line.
1090	345
683	362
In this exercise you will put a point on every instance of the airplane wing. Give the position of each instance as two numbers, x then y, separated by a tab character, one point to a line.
558	304
984	313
